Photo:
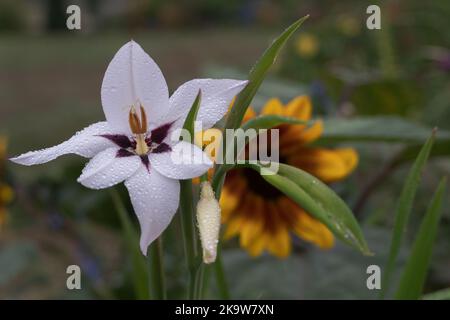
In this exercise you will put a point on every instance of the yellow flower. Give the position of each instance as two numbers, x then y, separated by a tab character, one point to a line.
3	145
6	193
261	215
348	25
307	45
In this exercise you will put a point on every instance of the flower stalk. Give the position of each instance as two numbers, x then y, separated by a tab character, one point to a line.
191	246
157	281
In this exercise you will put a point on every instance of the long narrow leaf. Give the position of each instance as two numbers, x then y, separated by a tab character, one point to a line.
404	209
443	294
257	75
379	129
320	201
414	274
186	209
243	100
270	121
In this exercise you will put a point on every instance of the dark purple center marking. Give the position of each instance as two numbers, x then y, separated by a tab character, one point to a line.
121	153
145	162
163	147
159	134
119	139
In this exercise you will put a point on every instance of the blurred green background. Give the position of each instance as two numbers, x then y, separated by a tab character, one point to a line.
50	81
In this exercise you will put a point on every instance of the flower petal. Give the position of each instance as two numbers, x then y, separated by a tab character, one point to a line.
107	169
155	201
300	108
133	77
326	164
217	95
273	106
86	143
185	161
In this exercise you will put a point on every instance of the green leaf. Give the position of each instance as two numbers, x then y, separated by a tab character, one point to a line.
377	129
257	75
245	97
187	218
414	274
320	201
140	273
192	115
403	210
441	148
270	121
443	294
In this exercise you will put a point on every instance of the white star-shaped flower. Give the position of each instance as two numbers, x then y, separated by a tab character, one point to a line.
136	145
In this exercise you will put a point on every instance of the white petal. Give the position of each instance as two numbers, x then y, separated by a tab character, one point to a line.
132	77
217	95
155	201
106	170
185	161
85	143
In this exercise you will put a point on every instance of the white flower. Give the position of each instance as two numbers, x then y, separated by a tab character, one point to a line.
134	144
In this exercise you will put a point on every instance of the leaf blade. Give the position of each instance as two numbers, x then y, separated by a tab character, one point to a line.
257	75
403	210
270	121
388	129
320	201
415	271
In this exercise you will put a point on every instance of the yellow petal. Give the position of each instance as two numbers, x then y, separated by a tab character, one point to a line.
256	247
6	194
254	221
273	106
297	136
233	227
326	164
280	243
313	230
228	203
300	108
249	114
349	156
238	217
3	146
210	141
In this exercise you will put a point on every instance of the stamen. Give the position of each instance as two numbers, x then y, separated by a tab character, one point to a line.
133	120
143	120
138	126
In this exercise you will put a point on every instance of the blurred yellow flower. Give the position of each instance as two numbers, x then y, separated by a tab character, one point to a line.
3	145
6	193
260	214
348	25
307	45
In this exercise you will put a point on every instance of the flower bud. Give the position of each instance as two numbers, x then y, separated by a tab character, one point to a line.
208	220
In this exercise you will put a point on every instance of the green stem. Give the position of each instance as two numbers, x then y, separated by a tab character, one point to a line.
189	237
199	282
220	277
157	284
